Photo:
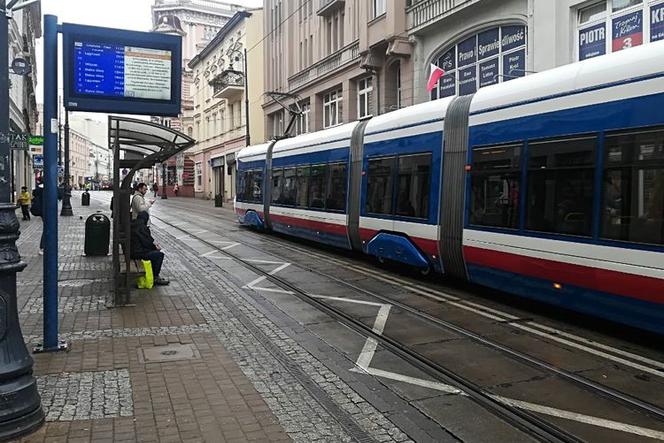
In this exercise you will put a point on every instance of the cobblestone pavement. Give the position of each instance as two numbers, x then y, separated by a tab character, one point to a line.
194	361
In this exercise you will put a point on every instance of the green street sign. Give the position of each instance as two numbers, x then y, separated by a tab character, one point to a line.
37	140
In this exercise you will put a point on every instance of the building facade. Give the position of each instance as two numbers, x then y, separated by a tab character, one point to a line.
220	105
339	60
197	21
483	42
79	154
24	28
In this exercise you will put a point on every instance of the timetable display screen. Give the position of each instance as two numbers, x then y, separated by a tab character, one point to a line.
122	71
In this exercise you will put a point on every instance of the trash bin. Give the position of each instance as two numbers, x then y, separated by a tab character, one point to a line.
97	234
218	201
85	199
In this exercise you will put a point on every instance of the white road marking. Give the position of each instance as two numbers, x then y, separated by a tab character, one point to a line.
581	418
366	354
414	381
347	300
226	248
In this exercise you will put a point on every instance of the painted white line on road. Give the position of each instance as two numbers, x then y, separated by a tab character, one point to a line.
226	248
275	290
254	283
581	418
442	387
367	354
347	300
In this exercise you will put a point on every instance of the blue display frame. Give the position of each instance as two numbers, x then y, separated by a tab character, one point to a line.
75	101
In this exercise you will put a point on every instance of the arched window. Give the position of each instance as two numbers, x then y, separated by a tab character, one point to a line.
488	57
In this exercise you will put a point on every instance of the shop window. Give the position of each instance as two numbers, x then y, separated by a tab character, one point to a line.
317	186
633	187
380	186
486	58
413	186
560	186
495	184
302	179
337	183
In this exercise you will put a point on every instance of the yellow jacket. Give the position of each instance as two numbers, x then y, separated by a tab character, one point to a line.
25	198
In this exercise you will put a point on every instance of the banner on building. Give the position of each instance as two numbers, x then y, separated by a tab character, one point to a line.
627	31
489	73
488	43
592	41
466	52
657	22
514	64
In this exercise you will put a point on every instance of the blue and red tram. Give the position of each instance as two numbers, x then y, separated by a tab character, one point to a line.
549	186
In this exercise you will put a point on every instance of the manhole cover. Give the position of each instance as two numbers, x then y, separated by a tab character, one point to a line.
174	352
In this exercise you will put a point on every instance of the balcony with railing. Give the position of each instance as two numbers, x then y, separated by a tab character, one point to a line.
327	7
229	84
421	13
329	64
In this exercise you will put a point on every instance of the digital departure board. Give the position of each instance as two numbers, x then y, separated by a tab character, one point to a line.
117	71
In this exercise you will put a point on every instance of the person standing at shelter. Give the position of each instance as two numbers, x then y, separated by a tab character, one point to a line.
155	189
24	199
138	203
37	209
143	246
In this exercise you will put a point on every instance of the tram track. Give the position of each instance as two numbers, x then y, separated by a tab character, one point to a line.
520	419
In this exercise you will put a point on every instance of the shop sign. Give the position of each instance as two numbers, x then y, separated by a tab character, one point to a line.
657	22
488	43
514	64
38	162
627	31
592	41
467	52
467	80
447	85
489	73
513	37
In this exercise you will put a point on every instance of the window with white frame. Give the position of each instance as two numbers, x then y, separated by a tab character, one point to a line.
614	25
332	108
379	7
302	122
399	105
364	97
198	172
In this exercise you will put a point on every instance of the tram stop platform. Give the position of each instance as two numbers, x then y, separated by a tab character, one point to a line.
192	361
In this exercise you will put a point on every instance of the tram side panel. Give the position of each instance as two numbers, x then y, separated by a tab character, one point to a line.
558	209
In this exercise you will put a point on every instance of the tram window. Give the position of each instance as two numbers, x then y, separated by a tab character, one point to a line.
495	184
317	186
289	189
413	185
241	184
254	192
302	184
560	186
336	187
633	187
277	184
380	185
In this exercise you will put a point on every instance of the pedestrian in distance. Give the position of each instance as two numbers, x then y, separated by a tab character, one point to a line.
143	246
155	189
37	209
138	203
176	188
24	199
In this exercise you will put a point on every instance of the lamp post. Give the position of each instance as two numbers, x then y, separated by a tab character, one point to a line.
66	198
20	405
163	182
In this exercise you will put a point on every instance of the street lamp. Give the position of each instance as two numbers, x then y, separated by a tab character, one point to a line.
66	198
20	405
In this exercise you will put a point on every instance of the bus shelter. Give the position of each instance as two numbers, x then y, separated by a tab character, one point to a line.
137	144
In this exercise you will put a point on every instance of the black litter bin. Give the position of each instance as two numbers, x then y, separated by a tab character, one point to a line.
97	234
85	199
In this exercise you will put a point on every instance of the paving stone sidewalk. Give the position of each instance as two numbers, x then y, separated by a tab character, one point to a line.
153	372
193	361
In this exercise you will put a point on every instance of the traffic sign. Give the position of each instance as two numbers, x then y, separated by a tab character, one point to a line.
38	161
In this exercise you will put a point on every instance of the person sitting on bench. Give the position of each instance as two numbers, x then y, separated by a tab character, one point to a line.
143	246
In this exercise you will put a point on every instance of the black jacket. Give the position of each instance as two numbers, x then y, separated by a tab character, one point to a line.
141	239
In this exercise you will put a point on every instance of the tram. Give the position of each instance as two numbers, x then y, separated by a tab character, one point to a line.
549	186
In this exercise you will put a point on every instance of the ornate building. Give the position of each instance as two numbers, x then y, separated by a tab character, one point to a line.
197	21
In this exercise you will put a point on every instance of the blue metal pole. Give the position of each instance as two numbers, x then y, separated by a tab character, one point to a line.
50	183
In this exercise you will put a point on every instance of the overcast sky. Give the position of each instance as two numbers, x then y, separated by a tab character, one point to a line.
124	14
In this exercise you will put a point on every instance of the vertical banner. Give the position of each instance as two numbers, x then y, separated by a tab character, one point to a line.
488	43
489	73
447	85
627	31
514	64
467	52
468	80
657	22
592	41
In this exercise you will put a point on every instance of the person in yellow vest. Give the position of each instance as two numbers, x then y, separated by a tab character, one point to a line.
25	199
